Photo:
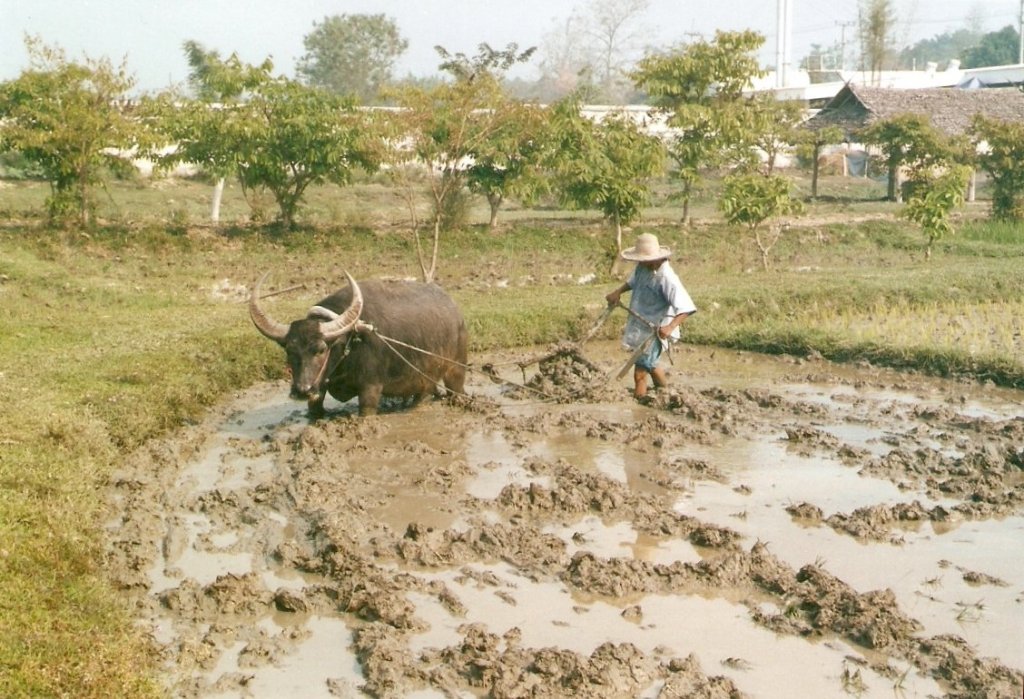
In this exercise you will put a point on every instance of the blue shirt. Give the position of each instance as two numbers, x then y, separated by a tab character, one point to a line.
658	297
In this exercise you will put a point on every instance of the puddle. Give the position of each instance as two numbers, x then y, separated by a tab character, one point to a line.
352	557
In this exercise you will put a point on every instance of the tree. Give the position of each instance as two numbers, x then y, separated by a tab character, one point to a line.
773	125
351	54
282	136
934	195
588	55
700	90
614	34
994	49
1001	155
511	162
565	64
606	166
809	143
290	136
907	140
751	199
876	25
214	80
443	126
71	120
938	49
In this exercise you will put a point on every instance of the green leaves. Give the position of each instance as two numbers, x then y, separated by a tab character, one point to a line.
606	166
1001	155
351	54
68	118
910	141
700	88
702	72
933	198
281	137
751	199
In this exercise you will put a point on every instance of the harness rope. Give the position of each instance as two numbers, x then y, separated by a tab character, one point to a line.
493	377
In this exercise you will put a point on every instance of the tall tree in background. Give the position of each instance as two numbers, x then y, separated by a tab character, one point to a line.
994	49
68	118
938	49
590	54
351	54
907	141
615	33
1003	160
511	162
565	63
877	29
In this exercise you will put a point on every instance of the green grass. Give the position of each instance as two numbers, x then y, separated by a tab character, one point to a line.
115	337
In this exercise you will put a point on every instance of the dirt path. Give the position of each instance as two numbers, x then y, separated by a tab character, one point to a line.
765	526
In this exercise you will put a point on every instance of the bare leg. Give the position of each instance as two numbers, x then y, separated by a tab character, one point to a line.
659	377
639	382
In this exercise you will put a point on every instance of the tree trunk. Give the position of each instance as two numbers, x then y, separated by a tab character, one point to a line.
762	249
495	202
972	185
814	171
218	193
433	254
618	245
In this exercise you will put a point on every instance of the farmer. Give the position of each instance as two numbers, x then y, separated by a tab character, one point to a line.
660	299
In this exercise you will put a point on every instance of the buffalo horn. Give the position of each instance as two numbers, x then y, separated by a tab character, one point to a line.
264	323
333	329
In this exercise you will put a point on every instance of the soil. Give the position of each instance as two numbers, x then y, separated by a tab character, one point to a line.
763	527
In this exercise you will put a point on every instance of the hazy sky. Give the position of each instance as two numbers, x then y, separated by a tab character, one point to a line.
149	33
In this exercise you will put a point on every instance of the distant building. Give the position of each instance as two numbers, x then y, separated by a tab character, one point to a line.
950	110
816	88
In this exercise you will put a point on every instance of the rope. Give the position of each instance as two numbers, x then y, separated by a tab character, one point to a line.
390	342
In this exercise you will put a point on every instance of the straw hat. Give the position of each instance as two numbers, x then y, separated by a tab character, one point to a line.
646	249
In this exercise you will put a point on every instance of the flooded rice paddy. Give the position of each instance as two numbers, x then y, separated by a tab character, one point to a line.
765	527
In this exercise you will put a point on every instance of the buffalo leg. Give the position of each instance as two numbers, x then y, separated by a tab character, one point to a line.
455	380
315	407
369	399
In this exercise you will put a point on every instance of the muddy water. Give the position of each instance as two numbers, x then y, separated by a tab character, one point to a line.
765	527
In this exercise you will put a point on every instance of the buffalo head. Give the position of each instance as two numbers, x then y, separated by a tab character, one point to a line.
309	342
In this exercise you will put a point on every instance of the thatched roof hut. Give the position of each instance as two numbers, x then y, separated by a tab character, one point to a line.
950	110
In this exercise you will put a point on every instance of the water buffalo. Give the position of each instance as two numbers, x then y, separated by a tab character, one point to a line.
340	346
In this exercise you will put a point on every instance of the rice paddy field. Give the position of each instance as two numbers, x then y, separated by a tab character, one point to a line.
120	335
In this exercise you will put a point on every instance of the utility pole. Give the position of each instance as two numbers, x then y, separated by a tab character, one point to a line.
782	45
842	41
1020	30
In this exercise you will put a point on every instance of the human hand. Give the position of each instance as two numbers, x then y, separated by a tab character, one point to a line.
613	298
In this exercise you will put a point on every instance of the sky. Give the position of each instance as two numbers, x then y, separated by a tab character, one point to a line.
148	34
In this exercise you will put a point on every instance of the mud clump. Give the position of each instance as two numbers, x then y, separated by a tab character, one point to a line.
877	521
564	375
